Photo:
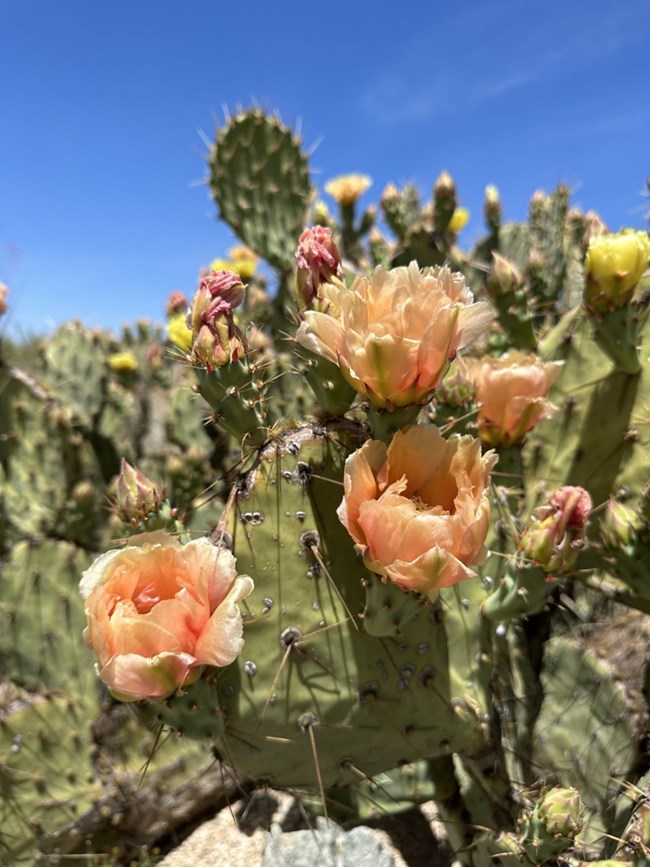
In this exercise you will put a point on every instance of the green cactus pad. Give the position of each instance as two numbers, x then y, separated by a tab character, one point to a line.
584	733
44	764
47	458
75	370
43	618
602	419
260	183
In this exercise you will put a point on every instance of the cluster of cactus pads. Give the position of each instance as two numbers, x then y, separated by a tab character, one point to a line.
494	402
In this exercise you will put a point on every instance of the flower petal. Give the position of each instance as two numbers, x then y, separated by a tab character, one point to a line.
132	677
222	639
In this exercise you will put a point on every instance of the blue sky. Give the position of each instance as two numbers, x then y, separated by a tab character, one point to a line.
102	207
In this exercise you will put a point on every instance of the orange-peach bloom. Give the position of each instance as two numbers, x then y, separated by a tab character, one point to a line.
158	611
418	510
393	333
511	393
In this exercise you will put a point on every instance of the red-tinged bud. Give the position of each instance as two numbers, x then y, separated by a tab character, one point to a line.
136	495
176	303
557	530
319	262
216	340
226	291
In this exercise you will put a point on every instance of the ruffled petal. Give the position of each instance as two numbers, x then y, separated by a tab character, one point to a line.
222	639
132	677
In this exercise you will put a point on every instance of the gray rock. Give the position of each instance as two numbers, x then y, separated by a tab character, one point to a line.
328	845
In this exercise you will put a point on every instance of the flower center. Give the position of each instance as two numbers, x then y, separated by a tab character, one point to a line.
146	597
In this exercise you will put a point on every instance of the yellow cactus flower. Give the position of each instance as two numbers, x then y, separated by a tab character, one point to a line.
459	219
220	265
346	189
243	261
179	333
614	265
123	362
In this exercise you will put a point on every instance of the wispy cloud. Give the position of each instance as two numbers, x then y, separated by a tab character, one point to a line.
513	53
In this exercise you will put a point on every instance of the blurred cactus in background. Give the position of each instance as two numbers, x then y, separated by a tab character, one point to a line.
369	520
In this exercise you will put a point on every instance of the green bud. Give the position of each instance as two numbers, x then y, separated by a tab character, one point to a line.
619	524
136	496
553	825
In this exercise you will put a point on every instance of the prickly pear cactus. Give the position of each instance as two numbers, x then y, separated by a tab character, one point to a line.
260	182
316	699
373	651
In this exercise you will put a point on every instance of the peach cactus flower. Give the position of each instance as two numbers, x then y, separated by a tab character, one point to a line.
418	509
393	333
158	611
511	392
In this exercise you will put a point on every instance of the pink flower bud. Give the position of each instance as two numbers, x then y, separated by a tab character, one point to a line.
557	530
226	290
216	340
176	303
319	261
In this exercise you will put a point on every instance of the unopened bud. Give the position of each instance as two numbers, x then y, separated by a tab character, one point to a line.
557	530
553	825
216	340
619	524
136	495
457	389
614	264
84	493
594	228
492	208
319	262
561	811
4	291
390	194
176	303
444	201
321	213
444	186
504	277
